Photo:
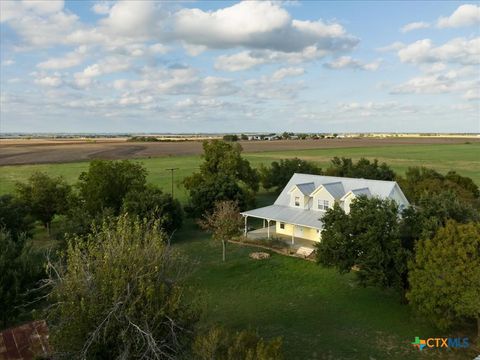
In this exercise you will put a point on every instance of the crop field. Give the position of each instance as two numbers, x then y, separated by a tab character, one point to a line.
463	158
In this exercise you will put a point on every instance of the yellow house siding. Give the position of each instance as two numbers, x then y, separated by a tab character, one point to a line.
305	233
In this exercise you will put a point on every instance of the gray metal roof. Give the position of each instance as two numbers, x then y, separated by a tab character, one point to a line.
336	189
379	188
337	186
306	188
363	191
288	214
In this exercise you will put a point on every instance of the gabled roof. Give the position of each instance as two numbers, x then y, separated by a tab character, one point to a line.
335	189
379	188
305	188
358	192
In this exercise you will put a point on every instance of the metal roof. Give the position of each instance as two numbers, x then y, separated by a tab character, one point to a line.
288	214
306	188
337	186
379	188
336	189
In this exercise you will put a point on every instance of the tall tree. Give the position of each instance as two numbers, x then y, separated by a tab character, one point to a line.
15	216
368	238
46	196
224	222
118	293
152	204
278	174
106	183
345	167
20	269
445	275
223	175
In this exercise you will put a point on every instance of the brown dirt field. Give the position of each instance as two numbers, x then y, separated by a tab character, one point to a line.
36	151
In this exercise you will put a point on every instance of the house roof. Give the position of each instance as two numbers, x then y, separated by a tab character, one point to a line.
306	188
379	188
336	189
288	214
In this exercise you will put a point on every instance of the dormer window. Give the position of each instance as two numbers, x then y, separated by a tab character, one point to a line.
297	200
323	204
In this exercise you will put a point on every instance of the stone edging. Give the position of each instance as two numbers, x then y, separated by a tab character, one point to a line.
270	249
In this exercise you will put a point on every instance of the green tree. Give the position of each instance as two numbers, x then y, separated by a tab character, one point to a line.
15	216
419	181
243	137
223	175
230	137
345	167
445	275
220	344
45	196
118	293
152	204
224	222
106	183
20	269
368	238
278	174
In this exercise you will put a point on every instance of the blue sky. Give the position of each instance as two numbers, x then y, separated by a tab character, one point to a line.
142	66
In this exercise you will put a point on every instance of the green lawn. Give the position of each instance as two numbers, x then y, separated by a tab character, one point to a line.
463	158
319	313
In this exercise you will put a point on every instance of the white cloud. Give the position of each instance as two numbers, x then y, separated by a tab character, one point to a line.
241	61
71	59
258	25
280	74
397	45
458	50
131	18
461	80
414	26
347	62
107	66
102	8
49	80
464	15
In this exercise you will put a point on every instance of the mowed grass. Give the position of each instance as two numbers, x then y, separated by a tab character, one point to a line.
463	158
319	313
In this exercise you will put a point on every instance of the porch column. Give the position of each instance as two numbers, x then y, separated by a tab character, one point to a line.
293	234
264	223
245	231
268	229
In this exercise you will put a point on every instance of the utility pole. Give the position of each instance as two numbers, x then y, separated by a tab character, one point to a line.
172	170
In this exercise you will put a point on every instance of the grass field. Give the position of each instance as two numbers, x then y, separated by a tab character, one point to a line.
319	313
463	158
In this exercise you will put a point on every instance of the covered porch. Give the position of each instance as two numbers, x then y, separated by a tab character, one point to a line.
271	233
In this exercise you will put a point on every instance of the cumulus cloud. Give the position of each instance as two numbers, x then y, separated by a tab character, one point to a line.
102	8
414	26
347	62
258	25
71	59
461	81
49	80
458	50
280	74
464	15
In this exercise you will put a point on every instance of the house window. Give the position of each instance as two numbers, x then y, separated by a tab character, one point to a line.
297	201
282	225
323	204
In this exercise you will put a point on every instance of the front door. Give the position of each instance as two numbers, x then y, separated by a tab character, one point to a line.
298	232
